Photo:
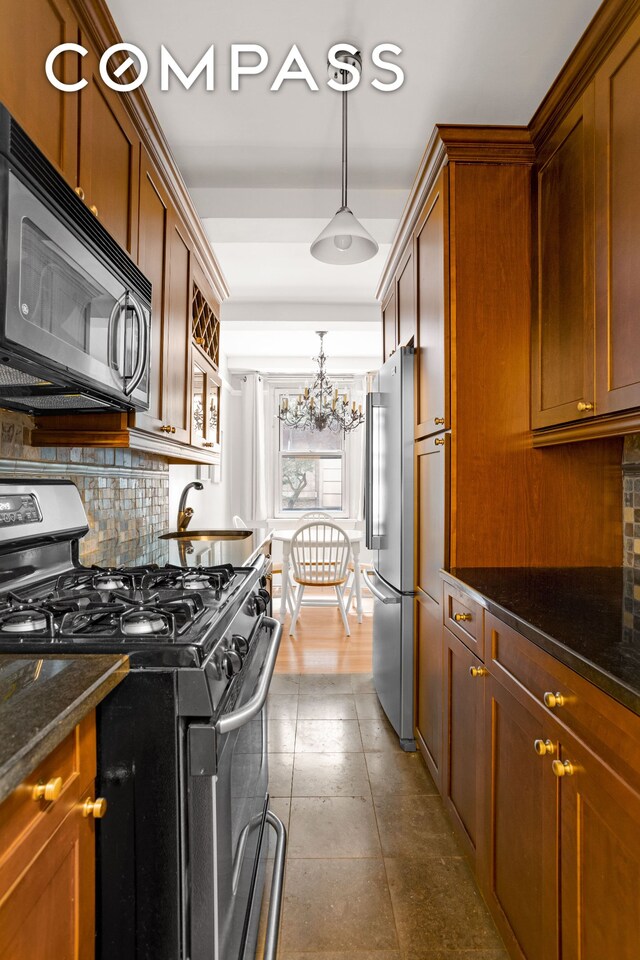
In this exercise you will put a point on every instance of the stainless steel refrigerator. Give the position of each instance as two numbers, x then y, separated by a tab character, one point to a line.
390	537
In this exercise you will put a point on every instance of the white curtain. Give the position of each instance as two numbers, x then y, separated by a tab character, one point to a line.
253	435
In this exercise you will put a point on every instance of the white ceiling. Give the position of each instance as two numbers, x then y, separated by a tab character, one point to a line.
264	167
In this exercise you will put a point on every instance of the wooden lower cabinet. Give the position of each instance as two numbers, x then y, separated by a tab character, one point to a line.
47	858
517	858
600	860
464	676
50	911
429	683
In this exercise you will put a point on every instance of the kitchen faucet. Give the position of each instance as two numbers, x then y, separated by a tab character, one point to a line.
184	512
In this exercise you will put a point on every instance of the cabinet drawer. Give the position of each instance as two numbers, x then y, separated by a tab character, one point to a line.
607	727
464	617
25	822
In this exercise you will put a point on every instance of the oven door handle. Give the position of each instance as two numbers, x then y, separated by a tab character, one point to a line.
253	706
277	884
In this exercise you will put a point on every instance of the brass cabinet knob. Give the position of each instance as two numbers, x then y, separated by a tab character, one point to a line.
582	406
48	791
173	429
439	441
544	747
562	768
94	209
167	428
461	617
199	340
95	808
478	671
553	699
439	421
79	192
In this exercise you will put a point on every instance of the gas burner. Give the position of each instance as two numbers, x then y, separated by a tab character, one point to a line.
108	582
145	622
194	581
26	620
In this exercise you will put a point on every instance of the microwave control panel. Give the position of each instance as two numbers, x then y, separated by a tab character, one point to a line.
16	510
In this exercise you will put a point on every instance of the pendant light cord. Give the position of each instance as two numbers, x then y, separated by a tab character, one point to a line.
344	141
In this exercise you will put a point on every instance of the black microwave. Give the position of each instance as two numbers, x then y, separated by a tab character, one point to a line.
75	310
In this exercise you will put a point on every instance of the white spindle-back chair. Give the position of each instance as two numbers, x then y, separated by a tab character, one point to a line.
313	515
320	553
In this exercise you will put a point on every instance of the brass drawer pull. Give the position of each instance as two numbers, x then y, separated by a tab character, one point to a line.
94	209
79	192
478	672
167	428
553	700
95	808
49	791
562	768
207	444
583	407
439	421
439	441
544	747
461	617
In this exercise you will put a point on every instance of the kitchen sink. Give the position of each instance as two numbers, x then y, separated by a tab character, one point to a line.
207	535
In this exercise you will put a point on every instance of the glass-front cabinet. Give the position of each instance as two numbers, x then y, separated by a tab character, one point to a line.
205	404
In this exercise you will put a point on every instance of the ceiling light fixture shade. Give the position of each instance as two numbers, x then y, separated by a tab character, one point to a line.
344	239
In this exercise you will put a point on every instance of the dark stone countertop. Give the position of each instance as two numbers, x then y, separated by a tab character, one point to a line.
41	700
586	617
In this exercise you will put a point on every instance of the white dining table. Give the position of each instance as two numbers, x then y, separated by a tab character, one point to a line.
285	537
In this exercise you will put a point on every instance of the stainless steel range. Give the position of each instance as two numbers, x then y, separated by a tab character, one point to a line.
182	742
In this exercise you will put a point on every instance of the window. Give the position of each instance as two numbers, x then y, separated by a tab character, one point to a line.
311	469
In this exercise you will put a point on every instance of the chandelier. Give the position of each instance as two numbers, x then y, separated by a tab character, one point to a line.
321	407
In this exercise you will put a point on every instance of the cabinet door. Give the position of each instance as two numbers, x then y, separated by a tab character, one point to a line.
563	338
433	457
463	704
429	683
406	294
177	356
600	860
389	324
518	848
30	30
617	216
153	234
50	909
109	160
432	264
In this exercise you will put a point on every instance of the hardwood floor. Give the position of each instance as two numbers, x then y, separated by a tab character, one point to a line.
320	644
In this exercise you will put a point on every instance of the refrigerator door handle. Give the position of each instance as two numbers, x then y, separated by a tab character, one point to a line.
390	597
372	542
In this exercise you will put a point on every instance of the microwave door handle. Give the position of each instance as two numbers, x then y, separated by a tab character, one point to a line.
112	335
141	358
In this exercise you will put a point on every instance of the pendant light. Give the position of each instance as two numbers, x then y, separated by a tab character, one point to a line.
344	239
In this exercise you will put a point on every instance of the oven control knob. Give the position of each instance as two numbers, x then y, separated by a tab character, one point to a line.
259	604
231	663
266	596
239	645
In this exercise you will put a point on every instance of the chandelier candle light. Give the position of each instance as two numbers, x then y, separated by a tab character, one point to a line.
344	239
321	407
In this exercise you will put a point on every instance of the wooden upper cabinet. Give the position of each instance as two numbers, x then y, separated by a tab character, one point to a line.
389	324
563	334
109	161
431	246
617	125
406	294
153	236
432	478
30	30
177	352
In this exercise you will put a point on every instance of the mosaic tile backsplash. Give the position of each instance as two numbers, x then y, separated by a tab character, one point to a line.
125	493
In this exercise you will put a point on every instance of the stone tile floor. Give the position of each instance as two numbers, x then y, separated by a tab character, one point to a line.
374	871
